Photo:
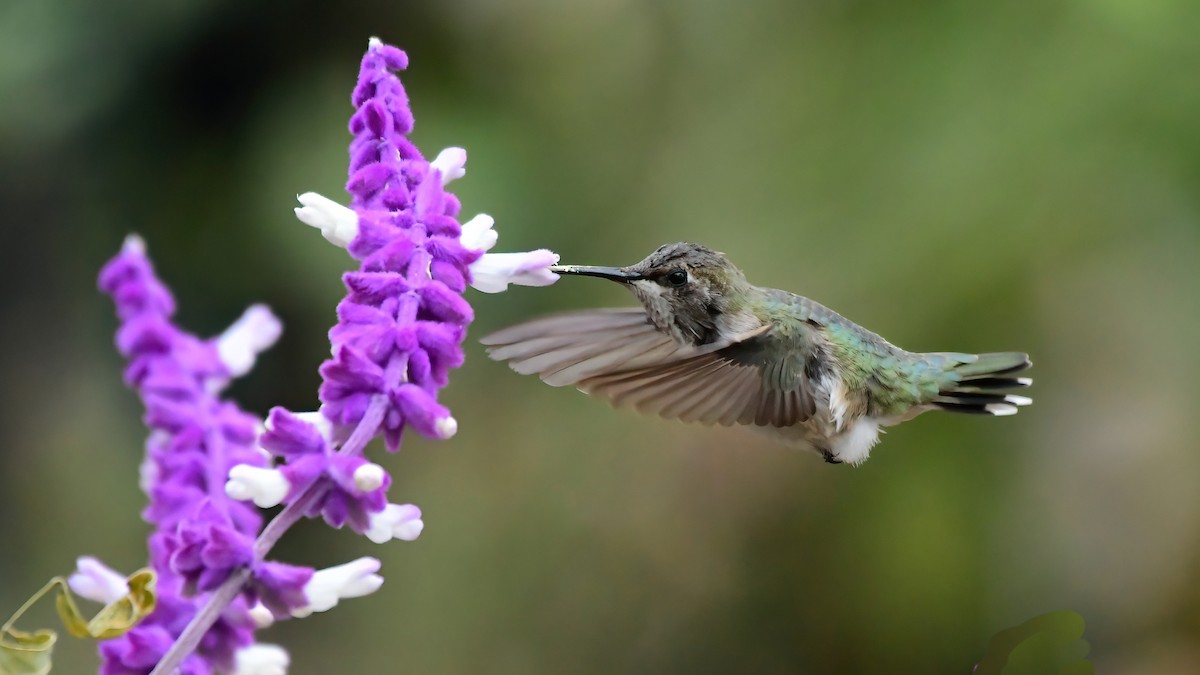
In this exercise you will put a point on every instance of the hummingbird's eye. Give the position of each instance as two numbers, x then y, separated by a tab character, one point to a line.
677	278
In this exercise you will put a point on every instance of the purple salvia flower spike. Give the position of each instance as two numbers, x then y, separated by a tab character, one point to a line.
399	334
200	536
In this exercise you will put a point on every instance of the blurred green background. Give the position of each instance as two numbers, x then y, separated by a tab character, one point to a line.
955	175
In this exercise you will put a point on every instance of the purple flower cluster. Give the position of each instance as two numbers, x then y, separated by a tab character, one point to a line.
200	535
401	326
402	323
399	334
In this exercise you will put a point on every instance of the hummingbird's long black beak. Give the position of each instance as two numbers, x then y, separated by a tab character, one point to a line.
611	273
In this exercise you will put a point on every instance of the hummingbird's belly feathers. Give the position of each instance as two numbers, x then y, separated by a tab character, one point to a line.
839	430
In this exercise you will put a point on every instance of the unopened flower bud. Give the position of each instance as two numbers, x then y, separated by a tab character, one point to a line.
369	477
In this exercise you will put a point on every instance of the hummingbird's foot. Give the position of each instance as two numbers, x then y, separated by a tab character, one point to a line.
830	458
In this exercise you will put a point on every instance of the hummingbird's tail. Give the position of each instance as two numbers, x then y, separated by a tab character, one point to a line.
974	379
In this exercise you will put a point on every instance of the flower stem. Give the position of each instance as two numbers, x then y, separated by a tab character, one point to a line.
201	622
186	643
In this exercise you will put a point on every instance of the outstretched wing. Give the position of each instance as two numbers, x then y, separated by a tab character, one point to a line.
619	355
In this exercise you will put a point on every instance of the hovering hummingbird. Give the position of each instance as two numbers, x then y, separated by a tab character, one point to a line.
708	346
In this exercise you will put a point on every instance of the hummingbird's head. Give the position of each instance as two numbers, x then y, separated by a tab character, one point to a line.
689	290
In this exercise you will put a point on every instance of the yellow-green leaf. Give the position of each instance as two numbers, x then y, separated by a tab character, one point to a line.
24	653
118	617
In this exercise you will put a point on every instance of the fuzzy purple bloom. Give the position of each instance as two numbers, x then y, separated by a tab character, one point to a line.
310	456
200	535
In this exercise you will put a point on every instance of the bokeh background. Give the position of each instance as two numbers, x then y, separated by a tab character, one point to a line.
955	175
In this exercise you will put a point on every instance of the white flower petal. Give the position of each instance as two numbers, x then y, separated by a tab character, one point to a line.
493	272
337	223
96	581
541	276
450	163
267	487
253	333
477	233
261	659
396	521
351	580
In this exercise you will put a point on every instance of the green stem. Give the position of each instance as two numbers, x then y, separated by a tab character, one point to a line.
29	603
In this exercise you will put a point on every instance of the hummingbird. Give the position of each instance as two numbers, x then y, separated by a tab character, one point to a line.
708	346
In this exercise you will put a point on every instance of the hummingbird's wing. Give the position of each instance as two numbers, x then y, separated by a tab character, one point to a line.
619	355
567	348
734	384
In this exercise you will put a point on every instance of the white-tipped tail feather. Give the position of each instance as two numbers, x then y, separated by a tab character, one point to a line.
978	378
1009	406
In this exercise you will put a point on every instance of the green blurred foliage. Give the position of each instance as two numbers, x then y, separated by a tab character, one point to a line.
1050	644
955	175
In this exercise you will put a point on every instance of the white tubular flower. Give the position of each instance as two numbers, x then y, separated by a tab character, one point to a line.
267	487
477	233
337	223
369	477
96	581
261	659
493	272
351	580
253	333
395	521
451	163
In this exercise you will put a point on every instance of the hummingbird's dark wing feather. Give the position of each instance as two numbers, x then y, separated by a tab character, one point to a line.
619	355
